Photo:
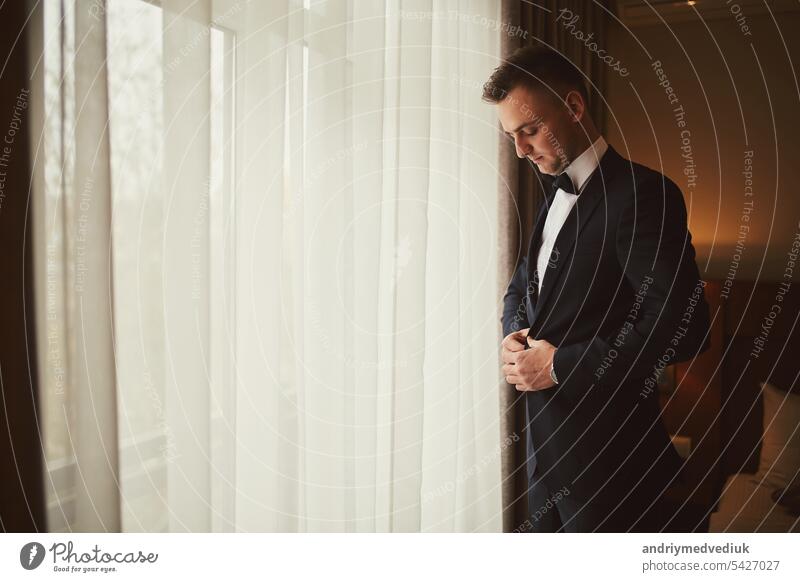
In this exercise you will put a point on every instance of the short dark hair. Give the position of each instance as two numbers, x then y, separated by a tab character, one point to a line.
534	67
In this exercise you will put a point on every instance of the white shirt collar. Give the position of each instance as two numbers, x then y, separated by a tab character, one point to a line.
585	164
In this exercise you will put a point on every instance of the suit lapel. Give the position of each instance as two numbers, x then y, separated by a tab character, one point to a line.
593	193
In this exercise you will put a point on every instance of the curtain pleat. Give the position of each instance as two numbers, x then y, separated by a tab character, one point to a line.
22	488
90	291
186	282
262	400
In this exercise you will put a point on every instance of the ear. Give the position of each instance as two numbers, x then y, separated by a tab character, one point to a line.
575	105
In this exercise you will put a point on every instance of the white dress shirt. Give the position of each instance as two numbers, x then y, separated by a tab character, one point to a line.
579	171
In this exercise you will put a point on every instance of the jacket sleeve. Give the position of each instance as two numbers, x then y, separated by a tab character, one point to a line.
654	249
515	316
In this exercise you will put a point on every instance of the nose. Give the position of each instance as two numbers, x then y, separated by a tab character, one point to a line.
523	148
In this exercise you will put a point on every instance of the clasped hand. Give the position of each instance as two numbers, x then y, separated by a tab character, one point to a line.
527	370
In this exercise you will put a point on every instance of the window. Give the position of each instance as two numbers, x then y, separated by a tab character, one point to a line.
136	69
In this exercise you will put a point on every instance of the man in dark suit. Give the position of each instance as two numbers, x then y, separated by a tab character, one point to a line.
608	293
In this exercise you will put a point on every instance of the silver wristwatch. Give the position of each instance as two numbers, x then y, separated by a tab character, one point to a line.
553	373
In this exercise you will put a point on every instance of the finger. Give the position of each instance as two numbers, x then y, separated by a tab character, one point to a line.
509	369
521	335
513	379
515	346
513	342
522	388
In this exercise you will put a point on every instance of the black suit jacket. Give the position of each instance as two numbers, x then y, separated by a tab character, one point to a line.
621	297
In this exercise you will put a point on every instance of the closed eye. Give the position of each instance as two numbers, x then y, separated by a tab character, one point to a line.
527	130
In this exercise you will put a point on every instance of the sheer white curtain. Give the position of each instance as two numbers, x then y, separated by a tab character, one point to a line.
266	245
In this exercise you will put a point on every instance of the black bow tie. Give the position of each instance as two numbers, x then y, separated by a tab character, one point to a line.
564	182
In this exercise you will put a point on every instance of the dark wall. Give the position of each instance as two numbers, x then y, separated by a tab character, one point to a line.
739	94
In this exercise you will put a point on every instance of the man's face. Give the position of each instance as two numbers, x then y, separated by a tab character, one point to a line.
540	126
